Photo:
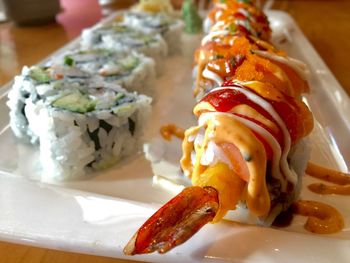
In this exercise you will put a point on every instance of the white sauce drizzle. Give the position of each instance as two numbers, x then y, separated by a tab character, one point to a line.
243	23
218	26
207	24
299	67
212	76
290	174
217	15
246	14
214	34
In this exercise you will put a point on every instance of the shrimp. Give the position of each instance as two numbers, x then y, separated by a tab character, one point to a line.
176	221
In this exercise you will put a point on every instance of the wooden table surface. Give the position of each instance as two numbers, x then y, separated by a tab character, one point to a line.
326	23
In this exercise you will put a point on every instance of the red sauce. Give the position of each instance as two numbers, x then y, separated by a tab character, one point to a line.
239	16
243	30
290	112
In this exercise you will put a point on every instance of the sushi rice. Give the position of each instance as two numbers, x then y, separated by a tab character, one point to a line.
80	122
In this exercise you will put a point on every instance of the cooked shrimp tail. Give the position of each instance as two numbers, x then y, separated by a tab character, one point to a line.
176	221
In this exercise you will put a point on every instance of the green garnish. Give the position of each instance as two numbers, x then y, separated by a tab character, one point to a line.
97	51
218	56
40	75
69	61
232	27
129	63
244	1
233	62
193	22
120	28
147	39
57	84
123	108
119	96
75	102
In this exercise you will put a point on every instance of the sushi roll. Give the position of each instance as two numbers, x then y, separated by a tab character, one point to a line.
80	123
240	15
121	37
131	70
167	26
28	86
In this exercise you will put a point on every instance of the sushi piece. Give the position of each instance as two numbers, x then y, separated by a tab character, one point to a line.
243	16
131	70
80	123
121	37
28	86
169	27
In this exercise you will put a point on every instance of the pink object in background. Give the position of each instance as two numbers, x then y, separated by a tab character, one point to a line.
78	14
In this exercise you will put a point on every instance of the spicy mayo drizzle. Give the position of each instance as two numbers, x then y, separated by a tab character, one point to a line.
342	180
169	130
322	218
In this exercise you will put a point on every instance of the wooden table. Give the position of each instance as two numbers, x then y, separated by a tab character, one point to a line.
324	22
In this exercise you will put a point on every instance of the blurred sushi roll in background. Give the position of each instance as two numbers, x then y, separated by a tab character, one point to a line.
132	70
121	37
169	27
244	16
81	123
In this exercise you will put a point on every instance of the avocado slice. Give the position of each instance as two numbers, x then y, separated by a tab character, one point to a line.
75	102
40	75
129	63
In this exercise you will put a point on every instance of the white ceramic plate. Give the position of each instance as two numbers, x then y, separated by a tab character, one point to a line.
98	215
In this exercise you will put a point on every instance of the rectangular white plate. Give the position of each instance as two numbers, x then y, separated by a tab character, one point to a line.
99	214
